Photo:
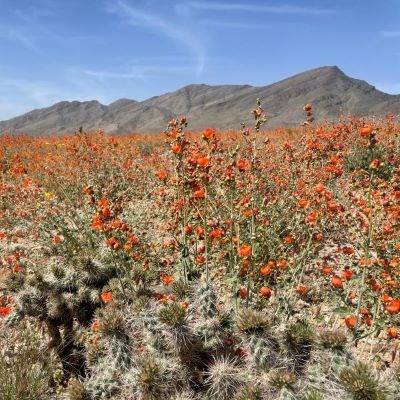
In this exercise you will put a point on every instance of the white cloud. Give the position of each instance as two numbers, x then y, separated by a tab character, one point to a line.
162	27
255	8
26	39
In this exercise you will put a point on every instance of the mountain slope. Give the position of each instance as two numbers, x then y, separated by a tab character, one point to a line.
331	92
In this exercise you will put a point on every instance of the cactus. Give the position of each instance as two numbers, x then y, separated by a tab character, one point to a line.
333	339
281	379
361	384
76	391
154	378
250	322
104	383
312	395
207	300
223	378
299	340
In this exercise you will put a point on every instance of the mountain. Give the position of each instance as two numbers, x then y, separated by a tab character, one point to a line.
331	92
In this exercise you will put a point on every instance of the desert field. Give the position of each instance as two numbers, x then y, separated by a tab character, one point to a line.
248	264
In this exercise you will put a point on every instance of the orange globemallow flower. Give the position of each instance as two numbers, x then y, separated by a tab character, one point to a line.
176	148
208	133
244	250
307	107
366	130
392	333
303	203
243	292
301	290
242	164
350	321
167	279
162	175
106	297
203	161
4	311
199	193
265	292
336	282
393	307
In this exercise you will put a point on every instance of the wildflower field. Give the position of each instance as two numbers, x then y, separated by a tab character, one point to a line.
241	265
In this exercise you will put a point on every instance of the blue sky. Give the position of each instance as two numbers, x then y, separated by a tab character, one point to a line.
53	50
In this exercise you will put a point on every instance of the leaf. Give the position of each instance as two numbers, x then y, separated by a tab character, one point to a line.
342	311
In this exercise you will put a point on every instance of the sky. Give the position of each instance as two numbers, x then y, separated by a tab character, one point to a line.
54	50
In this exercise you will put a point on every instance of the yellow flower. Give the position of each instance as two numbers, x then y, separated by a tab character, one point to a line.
48	195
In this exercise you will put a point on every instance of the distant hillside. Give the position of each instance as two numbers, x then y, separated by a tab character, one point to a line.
331	92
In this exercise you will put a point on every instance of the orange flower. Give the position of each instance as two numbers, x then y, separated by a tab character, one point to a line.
106	297
243	292
176	148
16	268
393	307
350	321
188	229
167	279
244	250
102	203
199	193
336	282
307	107
216	234
162	175
301	290
282	264
265	292
319	188
4	311
392	333
208	133
347	274
265	270
303	203
203	161
326	270
242	164
288	239
366	130
57	239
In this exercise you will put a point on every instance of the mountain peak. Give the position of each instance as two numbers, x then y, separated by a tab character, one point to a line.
328	88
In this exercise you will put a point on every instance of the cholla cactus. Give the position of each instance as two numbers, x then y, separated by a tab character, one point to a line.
64	293
224	378
104	382
154	378
255	329
207	300
299	341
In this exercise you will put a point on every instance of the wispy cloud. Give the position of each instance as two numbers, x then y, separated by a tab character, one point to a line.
390	34
162	27
255	8
25	39
141	72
